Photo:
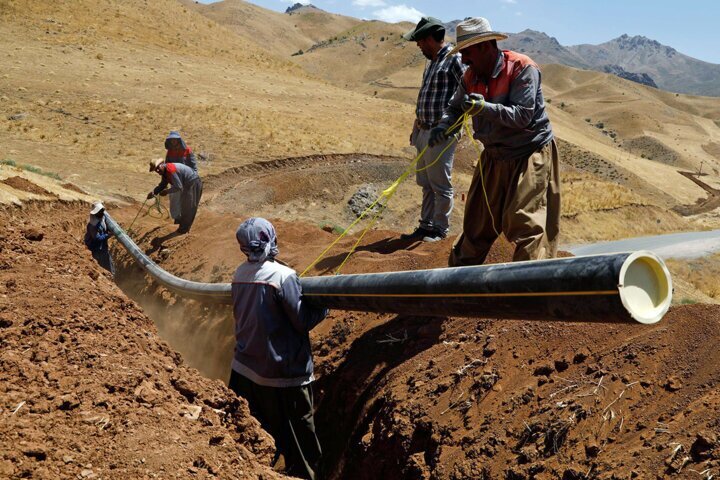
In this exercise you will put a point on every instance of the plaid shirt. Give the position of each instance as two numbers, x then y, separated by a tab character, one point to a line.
441	78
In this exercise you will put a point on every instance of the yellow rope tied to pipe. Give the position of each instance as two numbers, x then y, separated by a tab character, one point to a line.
387	194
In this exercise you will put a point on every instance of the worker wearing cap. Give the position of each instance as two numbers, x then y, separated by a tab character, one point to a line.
96	237
178	152
272	367
181	179
515	189
443	73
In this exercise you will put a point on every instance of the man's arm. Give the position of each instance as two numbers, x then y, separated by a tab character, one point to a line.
454	109
521	102
161	186
303	317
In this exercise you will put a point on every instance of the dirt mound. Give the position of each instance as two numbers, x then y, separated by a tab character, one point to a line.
20	183
451	398
87	387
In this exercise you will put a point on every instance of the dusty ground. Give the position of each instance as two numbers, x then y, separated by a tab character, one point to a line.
87	388
410	397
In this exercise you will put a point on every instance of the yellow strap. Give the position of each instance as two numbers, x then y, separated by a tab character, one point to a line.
465	295
482	175
387	194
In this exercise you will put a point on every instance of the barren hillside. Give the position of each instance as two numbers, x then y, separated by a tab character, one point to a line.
101	96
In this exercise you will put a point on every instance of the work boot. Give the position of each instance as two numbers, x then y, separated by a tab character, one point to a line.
419	233
434	236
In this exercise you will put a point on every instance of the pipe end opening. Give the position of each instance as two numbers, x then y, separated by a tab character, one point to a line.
645	287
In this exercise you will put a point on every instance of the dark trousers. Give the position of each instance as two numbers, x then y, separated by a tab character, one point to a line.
104	259
189	201
287	415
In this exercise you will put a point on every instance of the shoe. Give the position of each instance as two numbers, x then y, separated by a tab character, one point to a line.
434	237
419	233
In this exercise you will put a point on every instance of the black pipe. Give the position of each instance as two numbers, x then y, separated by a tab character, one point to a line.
623	287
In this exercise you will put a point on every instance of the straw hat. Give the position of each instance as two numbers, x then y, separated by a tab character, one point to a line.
154	163
96	207
472	31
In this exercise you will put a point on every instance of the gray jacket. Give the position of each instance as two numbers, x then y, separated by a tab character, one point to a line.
514	124
179	176
271	325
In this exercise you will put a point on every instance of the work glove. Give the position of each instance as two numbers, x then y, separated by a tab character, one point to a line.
150	195
437	136
102	237
163	193
473	104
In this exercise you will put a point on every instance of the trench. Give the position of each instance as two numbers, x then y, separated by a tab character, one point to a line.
350	366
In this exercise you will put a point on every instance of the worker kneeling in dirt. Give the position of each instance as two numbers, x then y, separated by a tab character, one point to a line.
184	180
272	367
96	237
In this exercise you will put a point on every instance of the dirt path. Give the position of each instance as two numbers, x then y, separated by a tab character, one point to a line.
702	205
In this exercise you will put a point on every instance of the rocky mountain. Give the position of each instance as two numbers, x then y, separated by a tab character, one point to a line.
670	69
299	7
635	58
642	78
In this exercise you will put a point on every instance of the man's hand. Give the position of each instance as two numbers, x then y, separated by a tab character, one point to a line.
437	136
163	193
150	195
473	104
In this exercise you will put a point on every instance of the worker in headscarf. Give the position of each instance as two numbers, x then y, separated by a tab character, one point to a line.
272	366
96	237
178	152
186	182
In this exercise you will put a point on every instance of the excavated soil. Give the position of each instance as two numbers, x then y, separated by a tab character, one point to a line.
87	388
451	398
90	390
25	185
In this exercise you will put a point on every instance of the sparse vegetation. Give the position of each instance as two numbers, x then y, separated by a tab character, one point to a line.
30	168
701	273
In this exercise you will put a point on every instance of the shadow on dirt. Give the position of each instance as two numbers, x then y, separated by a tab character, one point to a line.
386	246
346	393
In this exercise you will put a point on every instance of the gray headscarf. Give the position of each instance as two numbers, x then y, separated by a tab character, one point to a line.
257	239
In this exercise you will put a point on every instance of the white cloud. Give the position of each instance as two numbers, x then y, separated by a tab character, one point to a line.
369	3
398	13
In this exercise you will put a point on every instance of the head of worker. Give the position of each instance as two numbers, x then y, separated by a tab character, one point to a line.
477	43
174	141
257	240
96	213
429	35
158	166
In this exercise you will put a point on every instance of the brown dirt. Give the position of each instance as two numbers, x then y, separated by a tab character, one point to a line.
20	183
451	398
87	388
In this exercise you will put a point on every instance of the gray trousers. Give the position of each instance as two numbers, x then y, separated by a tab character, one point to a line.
189	201
437	202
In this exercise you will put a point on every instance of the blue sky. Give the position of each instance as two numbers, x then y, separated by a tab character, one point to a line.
690	27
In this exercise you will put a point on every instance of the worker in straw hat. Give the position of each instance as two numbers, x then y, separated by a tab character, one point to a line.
515	189
96	237
183	179
443	73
